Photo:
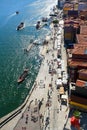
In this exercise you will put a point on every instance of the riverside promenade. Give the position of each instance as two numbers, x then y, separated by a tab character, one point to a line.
43	110
40	93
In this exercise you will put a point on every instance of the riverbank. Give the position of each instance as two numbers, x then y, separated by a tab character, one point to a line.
37	91
44	89
12	45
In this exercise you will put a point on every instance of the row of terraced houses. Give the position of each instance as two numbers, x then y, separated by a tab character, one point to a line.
75	41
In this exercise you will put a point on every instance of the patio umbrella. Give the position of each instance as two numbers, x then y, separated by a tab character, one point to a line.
77	114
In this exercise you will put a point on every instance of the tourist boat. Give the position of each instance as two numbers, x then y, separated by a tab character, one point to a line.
20	26
23	76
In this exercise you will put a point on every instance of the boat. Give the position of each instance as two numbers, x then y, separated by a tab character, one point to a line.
44	19
20	26
38	25
17	12
23	76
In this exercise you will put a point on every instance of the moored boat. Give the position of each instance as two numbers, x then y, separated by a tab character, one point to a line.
44	19
38	25
23	76
20	26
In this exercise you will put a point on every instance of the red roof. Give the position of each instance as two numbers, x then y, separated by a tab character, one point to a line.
83	29
80	49
81	38
84	71
77	63
81	83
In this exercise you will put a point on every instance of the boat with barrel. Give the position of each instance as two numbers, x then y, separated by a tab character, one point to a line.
20	26
23	76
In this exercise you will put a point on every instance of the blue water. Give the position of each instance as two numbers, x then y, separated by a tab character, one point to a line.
12	43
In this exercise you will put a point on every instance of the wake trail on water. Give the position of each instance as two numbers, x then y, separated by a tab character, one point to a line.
40	9
18	41
7	19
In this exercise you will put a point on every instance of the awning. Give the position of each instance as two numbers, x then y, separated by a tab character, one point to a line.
64	97
61	90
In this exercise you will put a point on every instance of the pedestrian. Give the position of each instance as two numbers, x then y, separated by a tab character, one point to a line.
22	115
65	116
57	110
26	121
51	78
27	117
36	101
44	85
45	77
60	107
42	119
28	108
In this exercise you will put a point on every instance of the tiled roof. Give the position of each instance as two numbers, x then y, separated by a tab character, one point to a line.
83	29
80	49
81	83
77	63
81	38
84	71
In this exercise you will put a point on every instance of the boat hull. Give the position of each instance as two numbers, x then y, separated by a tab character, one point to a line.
20	26
23	76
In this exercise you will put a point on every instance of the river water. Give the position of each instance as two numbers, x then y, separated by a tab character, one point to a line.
12	43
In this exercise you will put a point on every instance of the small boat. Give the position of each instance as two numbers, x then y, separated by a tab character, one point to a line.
23	76
17	12
44	19
38	25
20	26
